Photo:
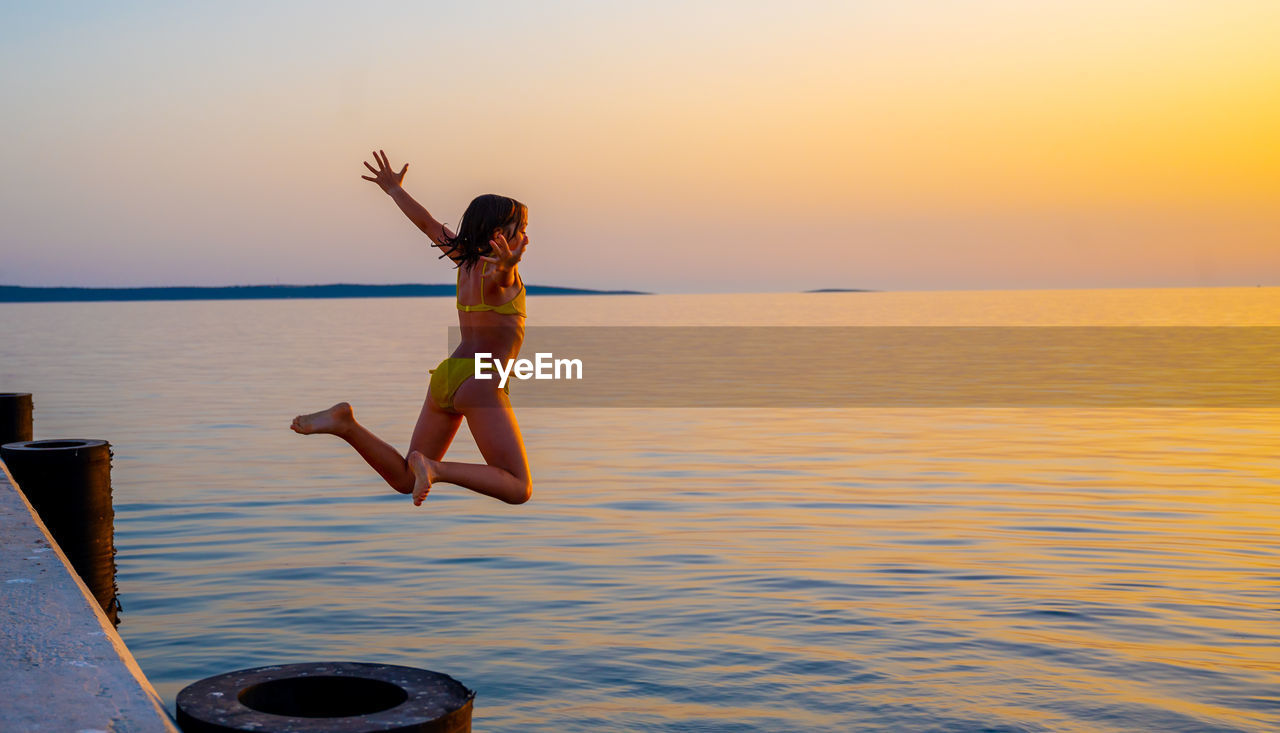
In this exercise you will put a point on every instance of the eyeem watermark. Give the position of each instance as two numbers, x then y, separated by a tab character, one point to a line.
896	366
543	366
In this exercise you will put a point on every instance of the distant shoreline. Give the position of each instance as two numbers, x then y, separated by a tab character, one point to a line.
22	294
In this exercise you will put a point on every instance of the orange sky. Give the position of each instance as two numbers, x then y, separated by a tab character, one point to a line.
692	146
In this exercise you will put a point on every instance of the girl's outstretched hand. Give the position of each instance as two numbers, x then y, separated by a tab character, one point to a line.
505	256
387	179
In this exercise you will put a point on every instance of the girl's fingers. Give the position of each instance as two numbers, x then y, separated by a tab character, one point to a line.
385	163
402	170
369	179
372	170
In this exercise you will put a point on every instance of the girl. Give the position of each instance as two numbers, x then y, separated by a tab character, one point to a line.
490	241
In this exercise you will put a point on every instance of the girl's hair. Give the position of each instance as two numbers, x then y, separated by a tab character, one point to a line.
483	215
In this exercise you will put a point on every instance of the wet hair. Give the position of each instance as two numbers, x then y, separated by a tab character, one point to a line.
483	215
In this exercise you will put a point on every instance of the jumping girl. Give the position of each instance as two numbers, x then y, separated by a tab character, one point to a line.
490	241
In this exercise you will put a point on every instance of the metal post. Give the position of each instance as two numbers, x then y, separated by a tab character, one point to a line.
69	484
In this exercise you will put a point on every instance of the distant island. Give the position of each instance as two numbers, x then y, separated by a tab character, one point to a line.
20	294
841	290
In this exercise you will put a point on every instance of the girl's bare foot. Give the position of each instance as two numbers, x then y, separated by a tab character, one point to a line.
423	476
333	420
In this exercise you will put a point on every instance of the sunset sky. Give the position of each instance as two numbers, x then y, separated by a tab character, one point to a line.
668	147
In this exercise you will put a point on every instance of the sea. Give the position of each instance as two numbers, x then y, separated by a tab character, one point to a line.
863	565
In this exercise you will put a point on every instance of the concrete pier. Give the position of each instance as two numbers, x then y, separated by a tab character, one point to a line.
63	667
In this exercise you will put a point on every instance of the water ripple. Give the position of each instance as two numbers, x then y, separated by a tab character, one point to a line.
713	570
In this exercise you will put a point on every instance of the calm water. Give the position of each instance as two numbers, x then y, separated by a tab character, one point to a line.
714	569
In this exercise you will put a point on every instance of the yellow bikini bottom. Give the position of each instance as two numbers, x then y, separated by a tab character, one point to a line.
449	376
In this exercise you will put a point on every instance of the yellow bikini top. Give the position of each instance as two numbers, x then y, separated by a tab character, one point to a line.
513	307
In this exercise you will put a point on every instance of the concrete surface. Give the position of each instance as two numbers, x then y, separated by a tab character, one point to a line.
63	667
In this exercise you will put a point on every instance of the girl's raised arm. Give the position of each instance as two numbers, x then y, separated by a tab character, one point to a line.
390	182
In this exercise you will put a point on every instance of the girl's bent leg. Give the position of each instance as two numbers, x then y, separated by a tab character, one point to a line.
432	436
340	420
434	432
493	425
